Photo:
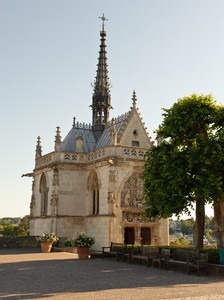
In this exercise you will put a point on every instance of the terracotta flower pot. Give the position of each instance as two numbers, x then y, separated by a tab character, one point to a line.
46	247
83	252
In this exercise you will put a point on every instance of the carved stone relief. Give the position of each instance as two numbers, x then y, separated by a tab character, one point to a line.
132	194
155	235
111	189
130	217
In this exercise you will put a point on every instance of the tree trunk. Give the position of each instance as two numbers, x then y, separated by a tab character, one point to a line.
199	223
219	222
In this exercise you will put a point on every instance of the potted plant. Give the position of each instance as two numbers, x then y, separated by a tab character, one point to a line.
83	244
46	240
70	245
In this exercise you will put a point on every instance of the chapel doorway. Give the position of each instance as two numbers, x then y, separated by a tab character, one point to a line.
129	235
145	236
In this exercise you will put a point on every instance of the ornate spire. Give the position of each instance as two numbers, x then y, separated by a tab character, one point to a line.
57	142
101	92
38	148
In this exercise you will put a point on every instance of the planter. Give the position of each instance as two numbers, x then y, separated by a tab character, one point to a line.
46	247
83	252
70	249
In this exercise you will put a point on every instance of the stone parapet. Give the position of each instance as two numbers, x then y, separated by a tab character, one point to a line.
19	242
99	154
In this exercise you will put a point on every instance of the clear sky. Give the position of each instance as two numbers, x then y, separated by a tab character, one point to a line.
164	49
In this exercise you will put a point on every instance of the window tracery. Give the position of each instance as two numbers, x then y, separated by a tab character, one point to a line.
93	185
44	195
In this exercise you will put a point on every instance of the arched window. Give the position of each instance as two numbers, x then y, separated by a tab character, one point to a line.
44	195
93	185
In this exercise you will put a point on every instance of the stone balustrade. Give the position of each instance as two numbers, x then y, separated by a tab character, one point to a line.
81	157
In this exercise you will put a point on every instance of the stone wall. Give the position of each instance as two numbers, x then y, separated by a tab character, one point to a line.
19	242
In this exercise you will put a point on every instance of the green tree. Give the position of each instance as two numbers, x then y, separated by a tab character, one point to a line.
24	225
209	235
187	226
9	229
186	166
183	241
209	222
14	226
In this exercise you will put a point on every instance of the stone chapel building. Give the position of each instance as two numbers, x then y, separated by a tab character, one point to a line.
91	182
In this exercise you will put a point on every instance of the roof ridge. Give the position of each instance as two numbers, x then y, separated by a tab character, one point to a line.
81	125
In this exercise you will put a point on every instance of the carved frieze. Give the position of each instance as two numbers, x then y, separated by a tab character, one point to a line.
130	217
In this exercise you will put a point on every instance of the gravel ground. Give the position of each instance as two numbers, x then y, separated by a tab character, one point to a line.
60	275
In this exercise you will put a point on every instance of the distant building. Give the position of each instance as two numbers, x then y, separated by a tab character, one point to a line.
91	182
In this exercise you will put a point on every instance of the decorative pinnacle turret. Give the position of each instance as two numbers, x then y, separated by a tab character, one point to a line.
74	119
57	144
113	133
38	148
134	99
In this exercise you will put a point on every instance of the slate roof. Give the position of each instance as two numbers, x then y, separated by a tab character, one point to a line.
89	142
104	140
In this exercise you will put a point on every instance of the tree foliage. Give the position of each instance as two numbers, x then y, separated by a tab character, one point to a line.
183	241
14	226
187	165
187	226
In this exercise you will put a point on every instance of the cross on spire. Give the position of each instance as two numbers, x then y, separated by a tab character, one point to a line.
103	20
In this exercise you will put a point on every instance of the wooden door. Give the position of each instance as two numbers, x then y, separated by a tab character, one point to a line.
146	236
129	235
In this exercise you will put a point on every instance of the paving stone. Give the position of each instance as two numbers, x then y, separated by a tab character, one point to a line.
28	274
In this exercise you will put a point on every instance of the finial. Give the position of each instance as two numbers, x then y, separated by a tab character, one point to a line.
103	20
38	141
113	133
38	148
57	145
134	99
74	122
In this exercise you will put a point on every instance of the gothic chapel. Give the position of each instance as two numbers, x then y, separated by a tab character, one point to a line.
91	182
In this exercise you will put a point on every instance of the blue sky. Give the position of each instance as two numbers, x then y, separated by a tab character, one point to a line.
49	49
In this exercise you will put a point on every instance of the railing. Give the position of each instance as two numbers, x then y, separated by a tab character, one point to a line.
81	157
44	160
